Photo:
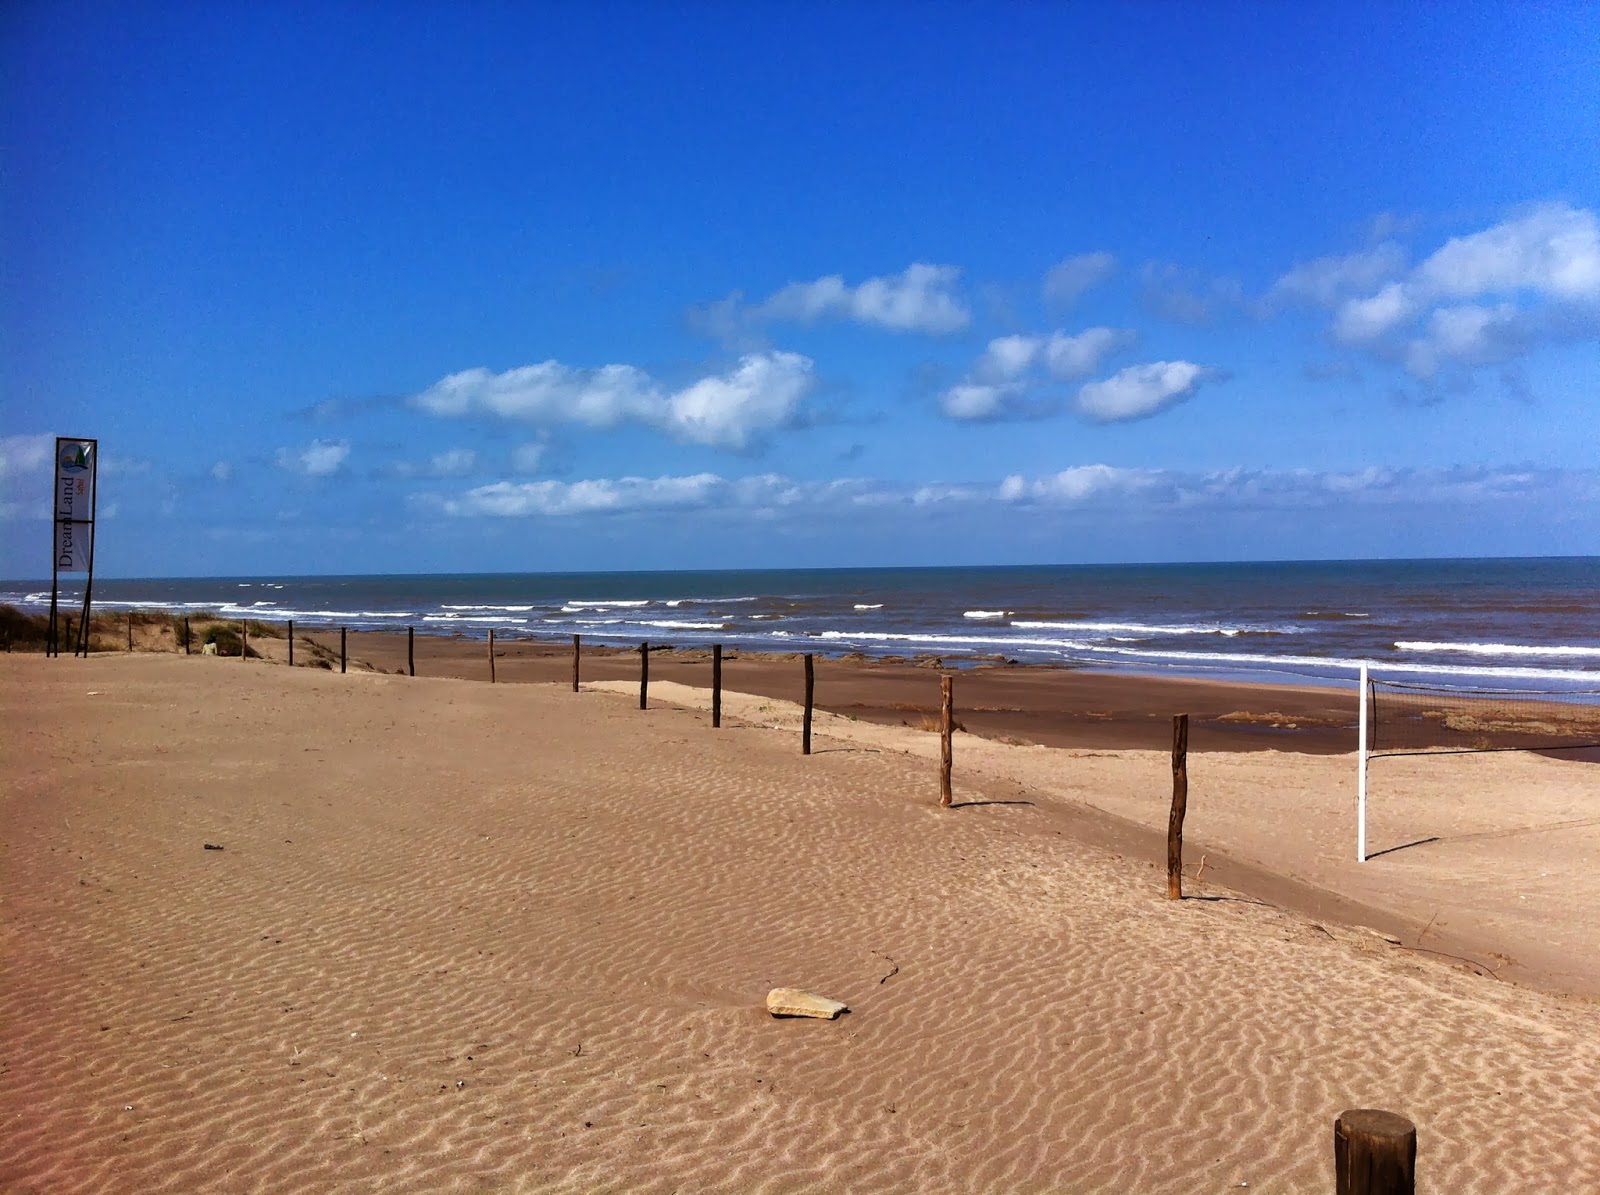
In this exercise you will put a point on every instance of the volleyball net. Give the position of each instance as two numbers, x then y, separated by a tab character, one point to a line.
1405	718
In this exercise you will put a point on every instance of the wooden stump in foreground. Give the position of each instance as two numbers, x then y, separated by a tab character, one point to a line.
1374	1153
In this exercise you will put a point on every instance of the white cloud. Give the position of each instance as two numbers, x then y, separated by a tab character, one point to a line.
728	411
1553	250
1108	487
700	491
1141	390
1541	268
1327	281
762	392
922	298
507	499
221	471
1075	484
1007	379
1467	335
1067	280
549	392
1087	487
1361	321
320	458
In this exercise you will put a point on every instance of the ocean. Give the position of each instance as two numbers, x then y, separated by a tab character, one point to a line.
1500	623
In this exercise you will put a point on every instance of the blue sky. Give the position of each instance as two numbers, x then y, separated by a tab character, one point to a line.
412	288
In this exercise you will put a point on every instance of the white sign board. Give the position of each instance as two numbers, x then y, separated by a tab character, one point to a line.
75	469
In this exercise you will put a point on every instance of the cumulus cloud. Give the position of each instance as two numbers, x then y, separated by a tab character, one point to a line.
25	454
732	410
1011	377
1328	281
921	298
1066	281
1486	297
320	458
1141	390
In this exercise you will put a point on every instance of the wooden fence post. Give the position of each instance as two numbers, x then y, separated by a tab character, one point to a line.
716	686
947	725
342	656
185	634
1374	1153
644	672
70	640
491	655
130	630
1180	805
805	725
291	643
577	652
244	639
411	651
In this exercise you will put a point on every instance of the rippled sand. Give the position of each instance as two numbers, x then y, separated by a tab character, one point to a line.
464	938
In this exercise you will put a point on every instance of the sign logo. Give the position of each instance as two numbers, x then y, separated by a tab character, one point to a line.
75	458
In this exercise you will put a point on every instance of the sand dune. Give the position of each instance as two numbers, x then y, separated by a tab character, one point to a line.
512	938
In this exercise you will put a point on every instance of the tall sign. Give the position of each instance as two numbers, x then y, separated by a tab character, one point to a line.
77	462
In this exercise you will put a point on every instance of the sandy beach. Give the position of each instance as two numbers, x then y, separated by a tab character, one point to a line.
512	938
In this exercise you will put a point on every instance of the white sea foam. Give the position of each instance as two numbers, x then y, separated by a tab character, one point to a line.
456	618
1502	649
673	625
863	606
987	614
507	609
1186	628
577	607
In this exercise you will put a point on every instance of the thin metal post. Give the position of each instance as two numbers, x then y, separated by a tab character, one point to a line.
291	643
1361	767
411	651
341	651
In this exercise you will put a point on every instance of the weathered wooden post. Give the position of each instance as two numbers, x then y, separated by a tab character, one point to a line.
70	640
805	724
491	655
342	656
244	639
1374	1153
644	673
716	686
577	651
947	725
130	630
185	634
411	651
1180	805
291	643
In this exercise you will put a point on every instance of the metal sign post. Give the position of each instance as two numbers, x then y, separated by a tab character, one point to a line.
72	537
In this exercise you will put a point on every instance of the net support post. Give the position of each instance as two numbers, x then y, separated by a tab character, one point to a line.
1361	769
